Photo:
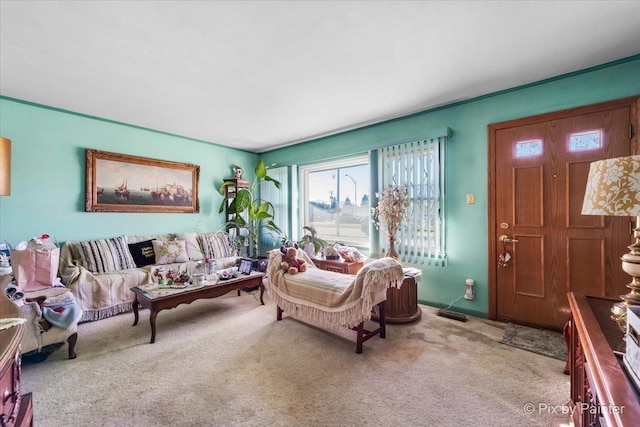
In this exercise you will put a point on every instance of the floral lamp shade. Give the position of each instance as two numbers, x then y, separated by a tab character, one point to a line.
613	187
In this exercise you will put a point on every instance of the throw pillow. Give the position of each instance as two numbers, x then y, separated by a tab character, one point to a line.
105	255
215	245
142	253
193	247
170	251
350	254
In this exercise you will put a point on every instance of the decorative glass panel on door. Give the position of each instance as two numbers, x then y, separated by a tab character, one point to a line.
528	148
584	141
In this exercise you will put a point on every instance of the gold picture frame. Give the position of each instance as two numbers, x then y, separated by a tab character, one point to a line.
124	183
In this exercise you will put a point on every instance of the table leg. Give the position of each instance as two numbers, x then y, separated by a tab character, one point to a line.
383	321
261	292
152	320
567	339
359	339
73	338
135	310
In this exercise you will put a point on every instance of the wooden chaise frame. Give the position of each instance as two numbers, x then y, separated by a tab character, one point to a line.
362	334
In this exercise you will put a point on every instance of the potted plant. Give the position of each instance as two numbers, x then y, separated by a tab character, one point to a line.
249	211
310	242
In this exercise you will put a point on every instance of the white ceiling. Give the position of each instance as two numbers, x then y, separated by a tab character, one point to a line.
259	75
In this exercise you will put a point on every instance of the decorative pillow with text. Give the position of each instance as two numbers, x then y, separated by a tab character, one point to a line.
143	253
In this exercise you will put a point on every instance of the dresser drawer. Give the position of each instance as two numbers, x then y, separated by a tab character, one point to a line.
10	391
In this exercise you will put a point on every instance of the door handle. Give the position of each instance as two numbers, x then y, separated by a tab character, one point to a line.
505	239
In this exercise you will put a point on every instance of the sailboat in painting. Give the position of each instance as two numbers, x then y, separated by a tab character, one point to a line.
122	190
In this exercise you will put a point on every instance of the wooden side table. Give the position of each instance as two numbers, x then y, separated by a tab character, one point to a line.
402	304
601	392
338	265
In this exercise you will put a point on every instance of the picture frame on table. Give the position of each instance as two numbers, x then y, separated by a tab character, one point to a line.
245	266
123	183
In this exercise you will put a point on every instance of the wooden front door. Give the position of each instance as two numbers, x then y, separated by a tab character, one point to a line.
548	248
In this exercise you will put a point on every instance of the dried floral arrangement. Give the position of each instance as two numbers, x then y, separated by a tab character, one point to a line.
391	209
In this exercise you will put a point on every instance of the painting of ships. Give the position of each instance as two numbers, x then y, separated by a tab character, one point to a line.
122	183
173	192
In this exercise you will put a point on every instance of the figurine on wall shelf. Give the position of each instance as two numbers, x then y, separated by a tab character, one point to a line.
237	170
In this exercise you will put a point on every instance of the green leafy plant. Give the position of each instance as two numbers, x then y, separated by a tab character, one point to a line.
311	238
249	211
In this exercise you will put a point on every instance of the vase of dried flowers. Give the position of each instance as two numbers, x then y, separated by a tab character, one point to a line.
391	210
391	252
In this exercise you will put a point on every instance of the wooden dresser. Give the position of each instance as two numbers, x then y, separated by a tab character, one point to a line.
601	392
17	408
338	265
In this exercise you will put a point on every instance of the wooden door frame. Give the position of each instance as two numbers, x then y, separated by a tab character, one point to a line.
634	105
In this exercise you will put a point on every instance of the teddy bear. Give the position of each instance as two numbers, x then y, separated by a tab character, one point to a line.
291	263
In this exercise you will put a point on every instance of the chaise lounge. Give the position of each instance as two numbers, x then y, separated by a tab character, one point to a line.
334	300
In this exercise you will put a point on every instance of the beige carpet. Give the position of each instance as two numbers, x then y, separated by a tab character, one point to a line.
227	362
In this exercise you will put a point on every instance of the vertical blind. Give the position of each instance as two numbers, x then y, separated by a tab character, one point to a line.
279	199
420	166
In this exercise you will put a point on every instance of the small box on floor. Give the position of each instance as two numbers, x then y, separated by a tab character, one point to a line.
632	354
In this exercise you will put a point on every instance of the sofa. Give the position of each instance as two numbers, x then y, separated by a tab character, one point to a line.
101	272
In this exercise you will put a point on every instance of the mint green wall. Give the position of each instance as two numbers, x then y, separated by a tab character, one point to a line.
467	163
48	175
48	169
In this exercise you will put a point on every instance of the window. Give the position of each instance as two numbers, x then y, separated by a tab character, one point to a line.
335	200
583	141
420	166
528	148
279	198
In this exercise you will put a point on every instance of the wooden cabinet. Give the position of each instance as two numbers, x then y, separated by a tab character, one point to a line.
338	265
16	408
601	392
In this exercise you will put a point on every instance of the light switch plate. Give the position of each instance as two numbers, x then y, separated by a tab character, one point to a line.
471	198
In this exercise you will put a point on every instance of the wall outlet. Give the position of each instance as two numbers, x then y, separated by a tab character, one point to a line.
468	295
471	198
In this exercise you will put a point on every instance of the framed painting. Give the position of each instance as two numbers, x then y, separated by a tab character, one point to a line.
123	183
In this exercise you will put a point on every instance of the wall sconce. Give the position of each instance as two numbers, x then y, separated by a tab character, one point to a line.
5	166
613	189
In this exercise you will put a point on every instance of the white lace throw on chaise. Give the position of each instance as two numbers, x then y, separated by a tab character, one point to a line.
331	299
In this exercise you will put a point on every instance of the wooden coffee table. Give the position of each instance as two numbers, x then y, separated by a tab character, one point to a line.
163	299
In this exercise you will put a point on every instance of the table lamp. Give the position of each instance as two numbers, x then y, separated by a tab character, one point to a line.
613	189
5	166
